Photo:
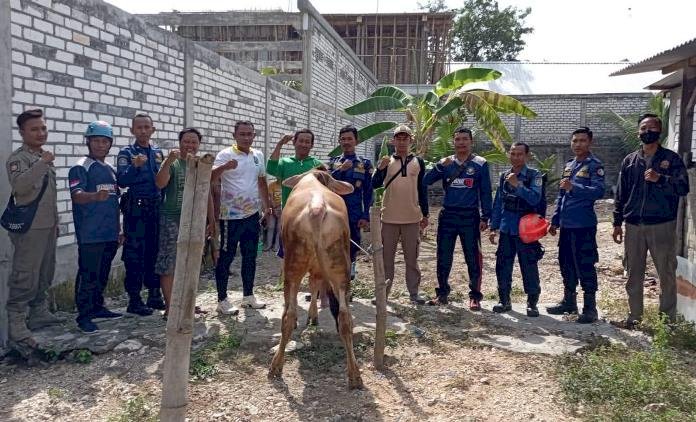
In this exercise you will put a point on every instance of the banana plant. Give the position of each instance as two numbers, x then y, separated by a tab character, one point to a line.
434	116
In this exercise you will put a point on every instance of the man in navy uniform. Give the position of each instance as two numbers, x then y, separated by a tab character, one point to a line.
467	185
518	194
356	170
137	166
95	211
651	181
581	185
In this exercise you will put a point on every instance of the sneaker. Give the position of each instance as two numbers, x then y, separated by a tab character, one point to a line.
417	299
87	326
439	300
251	302
138	308
226	308
104	313
474	304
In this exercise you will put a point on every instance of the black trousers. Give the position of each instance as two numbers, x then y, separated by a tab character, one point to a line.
528	254
462	225
141	227
94	265
577	256
245	234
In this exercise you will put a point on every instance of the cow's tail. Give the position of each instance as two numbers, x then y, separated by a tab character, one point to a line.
317	213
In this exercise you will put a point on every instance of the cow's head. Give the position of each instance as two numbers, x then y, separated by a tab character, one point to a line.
323	176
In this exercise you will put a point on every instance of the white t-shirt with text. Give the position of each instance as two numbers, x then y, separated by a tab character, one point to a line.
239	196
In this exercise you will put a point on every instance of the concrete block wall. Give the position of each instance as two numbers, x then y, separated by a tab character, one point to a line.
82	60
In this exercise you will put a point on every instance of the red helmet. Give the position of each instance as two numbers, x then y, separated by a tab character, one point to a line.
532	228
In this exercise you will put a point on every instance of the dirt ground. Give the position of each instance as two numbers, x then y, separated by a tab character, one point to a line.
436	370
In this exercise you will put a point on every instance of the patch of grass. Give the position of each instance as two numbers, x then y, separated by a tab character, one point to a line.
204	362
680	334
83	356
616	383
137	409
55	393
391	339
362	288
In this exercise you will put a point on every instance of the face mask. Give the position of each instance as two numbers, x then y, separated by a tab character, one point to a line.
649	137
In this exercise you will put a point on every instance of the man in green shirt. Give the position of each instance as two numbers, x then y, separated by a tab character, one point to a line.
285	167
171	179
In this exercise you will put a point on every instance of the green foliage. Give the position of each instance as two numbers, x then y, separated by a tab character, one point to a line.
545	166
137	409
628	123
484	32
204	362
83	356
616	383
391	339
367	132
434	116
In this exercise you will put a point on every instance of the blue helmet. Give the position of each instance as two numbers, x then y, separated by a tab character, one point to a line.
99	128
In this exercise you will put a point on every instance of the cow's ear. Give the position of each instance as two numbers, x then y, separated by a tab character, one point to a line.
341	188
292	181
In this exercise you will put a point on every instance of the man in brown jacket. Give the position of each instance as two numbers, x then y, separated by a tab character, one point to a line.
34	260
404	208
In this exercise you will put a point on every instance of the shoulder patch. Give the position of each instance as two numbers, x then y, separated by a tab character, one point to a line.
479	160
600	172
14	166
538	180
122	161
664	164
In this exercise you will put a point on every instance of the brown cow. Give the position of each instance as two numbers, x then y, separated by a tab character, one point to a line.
316	239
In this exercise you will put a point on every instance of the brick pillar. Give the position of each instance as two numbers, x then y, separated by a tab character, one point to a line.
5	151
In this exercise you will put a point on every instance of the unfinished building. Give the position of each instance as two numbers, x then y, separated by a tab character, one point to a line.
409	48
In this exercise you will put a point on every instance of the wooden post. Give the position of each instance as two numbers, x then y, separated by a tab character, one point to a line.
380	285
189	250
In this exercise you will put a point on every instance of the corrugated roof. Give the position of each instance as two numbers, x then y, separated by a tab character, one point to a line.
672	80
544	78
661	60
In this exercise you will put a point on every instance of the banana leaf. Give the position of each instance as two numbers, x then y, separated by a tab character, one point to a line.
461	77
366	133
394	92
372	104
504	103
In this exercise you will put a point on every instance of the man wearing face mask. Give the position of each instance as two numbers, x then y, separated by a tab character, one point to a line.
650	183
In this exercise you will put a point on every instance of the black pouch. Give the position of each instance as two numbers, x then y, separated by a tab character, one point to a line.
18	218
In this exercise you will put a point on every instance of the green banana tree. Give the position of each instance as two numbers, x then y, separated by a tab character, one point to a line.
628	124
435	115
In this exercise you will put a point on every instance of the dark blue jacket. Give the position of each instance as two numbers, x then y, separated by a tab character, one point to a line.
575	208
640	202
466	185
140	181
511	203
95	222
360	176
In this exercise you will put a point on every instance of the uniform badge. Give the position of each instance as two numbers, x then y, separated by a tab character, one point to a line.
584	172
664	164
567	171
122	161
159	157
358	183
470	171
538	181
600	172
361	166
14	166
74	182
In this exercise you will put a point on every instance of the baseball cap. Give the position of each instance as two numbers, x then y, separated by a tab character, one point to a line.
402	129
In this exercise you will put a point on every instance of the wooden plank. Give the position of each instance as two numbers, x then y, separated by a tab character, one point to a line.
380	286
186	274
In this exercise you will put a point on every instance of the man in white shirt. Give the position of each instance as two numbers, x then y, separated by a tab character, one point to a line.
242	174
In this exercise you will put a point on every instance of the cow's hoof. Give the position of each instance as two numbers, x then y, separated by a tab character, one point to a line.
355	383
275	372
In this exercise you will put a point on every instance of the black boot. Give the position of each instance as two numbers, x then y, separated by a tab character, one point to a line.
154	299
532	310
136	306
504	305
589	309
568	305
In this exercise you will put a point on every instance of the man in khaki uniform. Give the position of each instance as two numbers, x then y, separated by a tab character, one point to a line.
34	259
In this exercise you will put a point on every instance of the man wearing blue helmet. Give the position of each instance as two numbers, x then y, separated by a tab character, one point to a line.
94	194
